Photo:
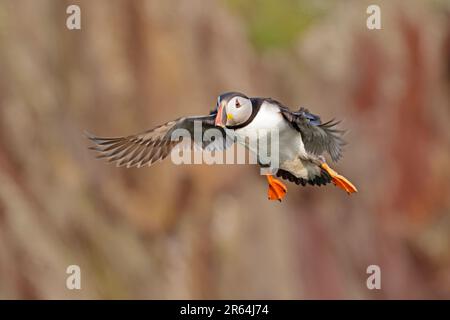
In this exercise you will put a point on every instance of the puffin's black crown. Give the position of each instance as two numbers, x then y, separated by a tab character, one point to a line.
227	96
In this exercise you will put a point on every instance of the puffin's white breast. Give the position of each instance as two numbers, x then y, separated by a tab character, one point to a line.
290	144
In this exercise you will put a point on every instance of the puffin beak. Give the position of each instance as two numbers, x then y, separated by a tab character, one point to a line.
221	117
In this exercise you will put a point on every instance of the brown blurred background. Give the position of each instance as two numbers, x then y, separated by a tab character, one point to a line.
204	231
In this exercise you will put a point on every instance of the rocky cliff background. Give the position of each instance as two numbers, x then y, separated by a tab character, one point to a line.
199	231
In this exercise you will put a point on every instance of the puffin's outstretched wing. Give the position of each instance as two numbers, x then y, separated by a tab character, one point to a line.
156	144
317	137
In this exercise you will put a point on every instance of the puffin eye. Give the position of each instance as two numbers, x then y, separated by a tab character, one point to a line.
238	105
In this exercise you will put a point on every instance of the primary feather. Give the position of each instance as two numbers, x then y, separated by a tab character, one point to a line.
155	144
317	137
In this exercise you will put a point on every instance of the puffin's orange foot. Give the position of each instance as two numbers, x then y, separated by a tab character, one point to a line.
339	180
277	190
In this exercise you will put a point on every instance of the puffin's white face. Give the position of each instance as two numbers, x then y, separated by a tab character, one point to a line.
238	110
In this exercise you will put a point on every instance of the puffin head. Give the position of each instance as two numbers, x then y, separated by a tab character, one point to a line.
233	108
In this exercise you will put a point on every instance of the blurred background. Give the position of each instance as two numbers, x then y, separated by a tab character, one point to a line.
181	232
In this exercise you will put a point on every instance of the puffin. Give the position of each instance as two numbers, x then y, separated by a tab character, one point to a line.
302	141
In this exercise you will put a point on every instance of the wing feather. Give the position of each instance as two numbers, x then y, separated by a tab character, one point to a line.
317	137
154	145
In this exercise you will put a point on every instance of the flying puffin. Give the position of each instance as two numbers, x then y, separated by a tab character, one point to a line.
302	141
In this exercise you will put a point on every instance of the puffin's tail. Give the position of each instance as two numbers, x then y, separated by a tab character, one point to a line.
326	176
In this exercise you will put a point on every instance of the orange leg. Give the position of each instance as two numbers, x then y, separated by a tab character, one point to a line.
339	180
277	190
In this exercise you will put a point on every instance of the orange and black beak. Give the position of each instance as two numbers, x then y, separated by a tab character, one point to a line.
221	118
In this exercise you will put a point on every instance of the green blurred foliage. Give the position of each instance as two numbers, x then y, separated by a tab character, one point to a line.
277	24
